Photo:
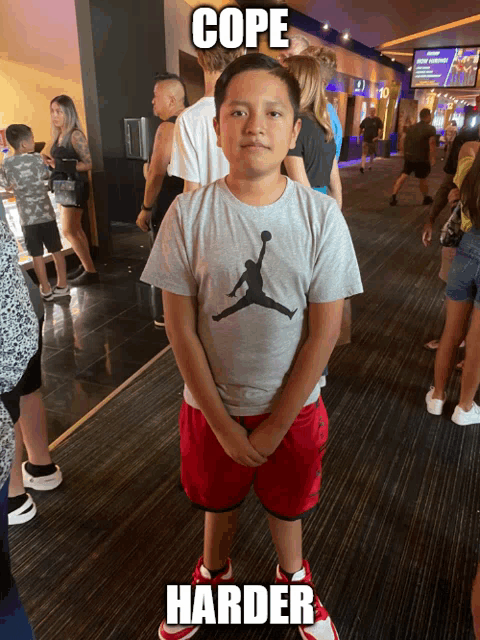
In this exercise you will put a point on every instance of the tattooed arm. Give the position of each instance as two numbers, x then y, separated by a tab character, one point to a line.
80	145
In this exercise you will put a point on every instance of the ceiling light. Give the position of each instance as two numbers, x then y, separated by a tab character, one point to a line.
345	35
326	26
393	59
409	68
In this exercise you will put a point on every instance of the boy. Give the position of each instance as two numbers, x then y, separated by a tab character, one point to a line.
252	411
25	173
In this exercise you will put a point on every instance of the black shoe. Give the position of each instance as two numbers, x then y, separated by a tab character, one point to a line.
76	272
159	320
86	278
393	200
362	170
427	200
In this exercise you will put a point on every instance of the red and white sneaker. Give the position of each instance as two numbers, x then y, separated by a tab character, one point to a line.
201	575
323	627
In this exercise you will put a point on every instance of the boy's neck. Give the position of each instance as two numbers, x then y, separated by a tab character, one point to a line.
260	191
210	78
17	152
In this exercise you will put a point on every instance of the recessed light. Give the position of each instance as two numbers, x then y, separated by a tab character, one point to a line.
409	68
326	26
346	35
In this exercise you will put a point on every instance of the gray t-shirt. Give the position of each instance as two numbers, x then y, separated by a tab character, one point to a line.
26	175
276	258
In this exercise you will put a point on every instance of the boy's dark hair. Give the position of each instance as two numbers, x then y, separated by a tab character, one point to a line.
470	193
166	75
257	62
16	133
424	114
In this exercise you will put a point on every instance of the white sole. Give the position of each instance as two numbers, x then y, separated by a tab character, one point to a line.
189	635
24	513
45	483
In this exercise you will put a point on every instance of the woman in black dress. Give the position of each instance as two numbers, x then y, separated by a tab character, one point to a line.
70	143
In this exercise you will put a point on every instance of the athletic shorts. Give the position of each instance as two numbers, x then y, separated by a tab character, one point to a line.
287	485
30	381
369	148
421	169
39	235
463	283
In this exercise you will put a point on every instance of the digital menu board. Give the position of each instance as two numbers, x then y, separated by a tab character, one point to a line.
445	67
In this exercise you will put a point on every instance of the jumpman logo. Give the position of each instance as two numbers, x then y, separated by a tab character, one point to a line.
254	293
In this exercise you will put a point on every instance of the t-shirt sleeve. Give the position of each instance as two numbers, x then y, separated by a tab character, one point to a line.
184	161
4	181
380	124
335	274
41	167
362	124
168	266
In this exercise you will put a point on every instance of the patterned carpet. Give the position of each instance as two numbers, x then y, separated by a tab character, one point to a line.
394	544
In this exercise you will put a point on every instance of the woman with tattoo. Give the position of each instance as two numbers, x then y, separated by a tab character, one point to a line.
70	143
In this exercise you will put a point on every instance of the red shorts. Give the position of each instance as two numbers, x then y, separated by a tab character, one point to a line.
287	485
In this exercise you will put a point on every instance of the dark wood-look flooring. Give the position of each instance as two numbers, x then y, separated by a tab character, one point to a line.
394	544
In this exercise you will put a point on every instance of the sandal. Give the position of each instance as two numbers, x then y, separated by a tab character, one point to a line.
432	345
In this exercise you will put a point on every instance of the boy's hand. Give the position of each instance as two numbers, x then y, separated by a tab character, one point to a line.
236	444
48	160
427	234
265	438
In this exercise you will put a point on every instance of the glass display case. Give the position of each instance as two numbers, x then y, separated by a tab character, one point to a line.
13	220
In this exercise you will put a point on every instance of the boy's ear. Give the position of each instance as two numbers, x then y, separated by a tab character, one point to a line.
216	126
295	131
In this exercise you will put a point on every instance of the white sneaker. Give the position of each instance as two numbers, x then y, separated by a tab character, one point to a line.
60	292
42	483
435	407
463	418
24	513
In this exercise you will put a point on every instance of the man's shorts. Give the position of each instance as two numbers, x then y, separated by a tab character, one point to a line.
463	283
39	235
287	485
369	148
421	169
30	381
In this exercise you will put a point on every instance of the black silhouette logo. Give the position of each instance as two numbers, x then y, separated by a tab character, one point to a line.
254	293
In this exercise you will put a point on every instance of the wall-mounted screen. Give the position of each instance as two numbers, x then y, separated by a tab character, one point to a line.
446	67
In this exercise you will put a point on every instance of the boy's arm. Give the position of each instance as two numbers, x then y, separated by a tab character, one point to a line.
181	327
324	320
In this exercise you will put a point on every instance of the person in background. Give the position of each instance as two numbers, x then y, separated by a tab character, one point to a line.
18	343
25	174
196	157
406	126
463	300
327	60
420	156
313	161
371	128
297	45
25	405
70	143
169	100
450	135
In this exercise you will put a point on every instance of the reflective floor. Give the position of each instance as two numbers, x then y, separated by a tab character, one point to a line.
97	338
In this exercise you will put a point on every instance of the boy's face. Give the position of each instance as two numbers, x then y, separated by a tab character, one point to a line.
255	127
27	145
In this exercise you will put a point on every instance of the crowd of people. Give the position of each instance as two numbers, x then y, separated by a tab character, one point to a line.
235	201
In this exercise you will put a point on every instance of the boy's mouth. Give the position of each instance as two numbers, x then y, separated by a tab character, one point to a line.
254	145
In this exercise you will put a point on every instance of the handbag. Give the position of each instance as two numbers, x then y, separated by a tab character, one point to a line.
451	232
70	192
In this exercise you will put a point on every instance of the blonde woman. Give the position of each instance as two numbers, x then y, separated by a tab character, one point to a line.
70	143
313	161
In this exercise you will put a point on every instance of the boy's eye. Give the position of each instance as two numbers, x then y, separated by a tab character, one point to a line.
237	112
275	114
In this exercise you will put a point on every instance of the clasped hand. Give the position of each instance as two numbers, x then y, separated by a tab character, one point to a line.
250	449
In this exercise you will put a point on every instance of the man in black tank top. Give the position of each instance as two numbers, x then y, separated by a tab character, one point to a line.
169	100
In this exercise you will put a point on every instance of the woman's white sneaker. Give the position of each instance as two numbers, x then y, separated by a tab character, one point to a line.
435	407
42	483
463	418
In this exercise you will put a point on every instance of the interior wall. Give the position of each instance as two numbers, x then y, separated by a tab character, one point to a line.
26	95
